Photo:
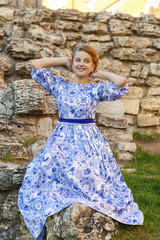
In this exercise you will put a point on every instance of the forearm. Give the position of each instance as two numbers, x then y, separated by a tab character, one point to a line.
48	62
118	80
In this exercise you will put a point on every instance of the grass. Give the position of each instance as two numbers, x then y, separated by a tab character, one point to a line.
145	186
145	137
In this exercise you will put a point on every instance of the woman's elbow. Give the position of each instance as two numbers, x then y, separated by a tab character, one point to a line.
35	64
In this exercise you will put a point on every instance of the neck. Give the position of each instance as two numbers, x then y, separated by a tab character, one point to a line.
83	80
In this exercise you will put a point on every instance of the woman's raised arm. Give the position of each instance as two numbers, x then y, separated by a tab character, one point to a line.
50	62
118	80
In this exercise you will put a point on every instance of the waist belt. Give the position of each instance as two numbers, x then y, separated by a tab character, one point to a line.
88	120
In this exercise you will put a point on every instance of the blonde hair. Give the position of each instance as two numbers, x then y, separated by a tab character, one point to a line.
90	50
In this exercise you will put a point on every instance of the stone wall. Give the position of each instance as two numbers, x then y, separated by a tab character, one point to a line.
126	45
28	114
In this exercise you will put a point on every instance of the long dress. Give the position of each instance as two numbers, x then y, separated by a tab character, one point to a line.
76	163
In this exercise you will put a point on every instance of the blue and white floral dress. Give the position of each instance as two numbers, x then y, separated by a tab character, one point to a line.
76	163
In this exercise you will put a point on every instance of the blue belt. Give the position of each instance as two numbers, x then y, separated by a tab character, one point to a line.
88	120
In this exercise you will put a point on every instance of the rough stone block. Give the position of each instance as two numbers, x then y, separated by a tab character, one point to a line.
95	27
154	92
156	43
102	17
145	71
125	156
127	147
23	48
38	33
112	122
6	14
111	109
27	3
151	104
67	25
37	147
154	69
45	127
117	135
141	54
28	97
134	93
131	106
70	14
93	37
120	27
153	81
79	221
146	29
6	101
101	48
146	120
50	105
132	41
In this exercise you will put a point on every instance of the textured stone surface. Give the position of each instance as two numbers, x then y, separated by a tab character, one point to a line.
111	109
130	147
151	104
119	27
112	122
145	120
131	106
80	222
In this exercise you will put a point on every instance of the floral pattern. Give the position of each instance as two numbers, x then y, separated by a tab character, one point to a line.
76	163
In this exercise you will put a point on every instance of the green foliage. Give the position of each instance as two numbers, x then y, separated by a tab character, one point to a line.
8	158
145	186
115	153
145	137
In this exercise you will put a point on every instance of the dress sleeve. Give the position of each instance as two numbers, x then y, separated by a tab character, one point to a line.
47	80
110	92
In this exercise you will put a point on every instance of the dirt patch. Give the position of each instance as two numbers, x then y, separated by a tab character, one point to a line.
151	147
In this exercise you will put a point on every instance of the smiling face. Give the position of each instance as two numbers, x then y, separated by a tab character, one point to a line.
82	64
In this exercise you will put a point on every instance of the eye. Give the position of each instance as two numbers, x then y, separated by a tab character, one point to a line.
87	61
77	60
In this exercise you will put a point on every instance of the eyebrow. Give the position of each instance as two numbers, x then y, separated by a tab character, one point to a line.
84	59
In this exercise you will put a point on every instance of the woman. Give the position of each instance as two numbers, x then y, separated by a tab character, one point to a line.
76	163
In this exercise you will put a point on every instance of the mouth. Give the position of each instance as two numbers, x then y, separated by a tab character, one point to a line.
81	69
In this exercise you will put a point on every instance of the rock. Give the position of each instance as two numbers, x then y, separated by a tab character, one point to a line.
67	25
153	81
29	16
23	48
6	101
156	43
145	71
102	17
70	14
134	93
146	29
38	33
127	147
132	41
28	97
8	3
101	48
112	122
150	104
113	109
154	92
128	170
143	54
80	222
37	147
119	27
27	4
145	120
45	127
131	106
125	156
116	135
50	106
95	27
11	149
154	69
93	37
6	14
